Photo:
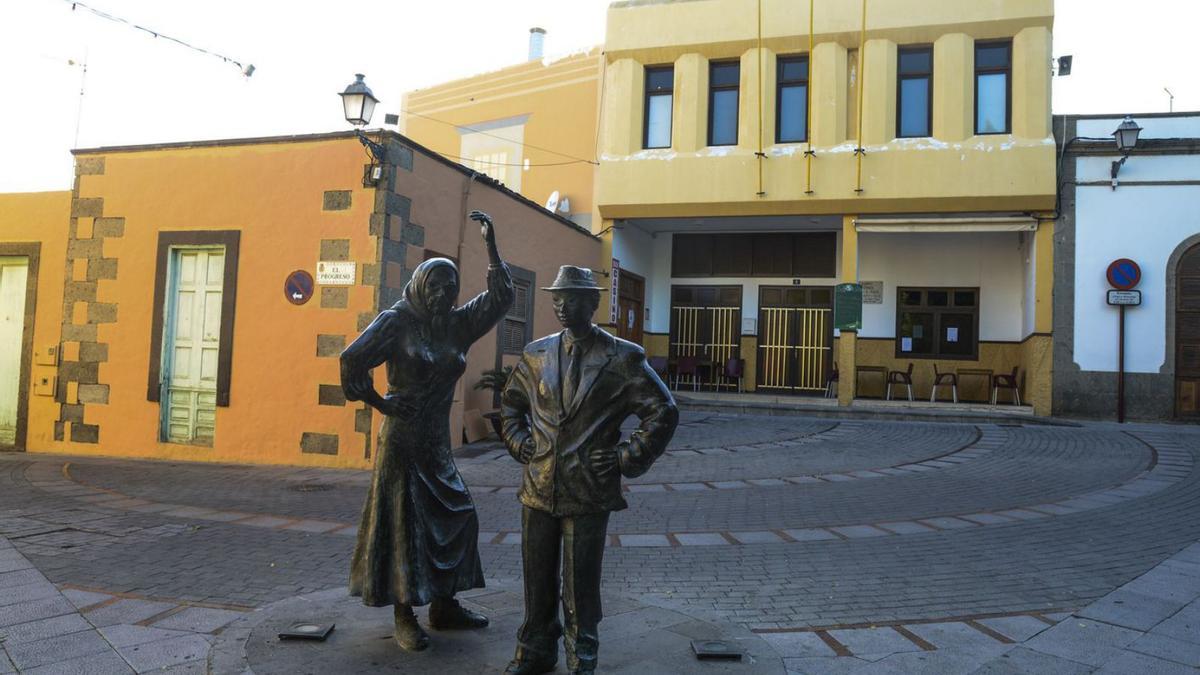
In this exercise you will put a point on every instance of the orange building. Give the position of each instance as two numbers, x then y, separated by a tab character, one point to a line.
210	287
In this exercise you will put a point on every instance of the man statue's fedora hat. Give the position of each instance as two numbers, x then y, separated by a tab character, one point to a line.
572	278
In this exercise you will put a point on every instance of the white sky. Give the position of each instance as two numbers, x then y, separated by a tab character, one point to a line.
145	90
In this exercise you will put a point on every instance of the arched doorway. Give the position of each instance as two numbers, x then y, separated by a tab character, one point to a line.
1187	335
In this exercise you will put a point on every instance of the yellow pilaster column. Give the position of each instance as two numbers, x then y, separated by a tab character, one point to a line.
624	85
879	98
603	313
954	87
847	342
1031	53
689	113
827	78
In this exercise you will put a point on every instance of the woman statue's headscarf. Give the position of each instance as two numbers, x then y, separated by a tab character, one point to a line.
416	294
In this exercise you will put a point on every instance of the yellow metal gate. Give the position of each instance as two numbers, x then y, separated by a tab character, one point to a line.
794	348
709	333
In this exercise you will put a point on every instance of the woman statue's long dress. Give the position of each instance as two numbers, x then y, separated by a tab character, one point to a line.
417	543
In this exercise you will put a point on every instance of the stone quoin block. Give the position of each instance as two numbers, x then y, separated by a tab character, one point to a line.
93	352
362	420
93	393
336	200
84	248
109	227
330	394
89	166
364	320
330	345
85	433
335	249
337	297
318	444
87	207
101	268
102	312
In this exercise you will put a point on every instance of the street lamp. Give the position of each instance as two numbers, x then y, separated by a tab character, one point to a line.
358	104
1126	137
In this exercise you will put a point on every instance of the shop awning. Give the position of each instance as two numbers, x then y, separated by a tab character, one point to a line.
908	225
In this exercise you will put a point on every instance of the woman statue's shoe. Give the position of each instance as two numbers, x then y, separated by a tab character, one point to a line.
448	614
409	634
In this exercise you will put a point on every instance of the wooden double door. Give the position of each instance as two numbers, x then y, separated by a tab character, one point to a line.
1187	336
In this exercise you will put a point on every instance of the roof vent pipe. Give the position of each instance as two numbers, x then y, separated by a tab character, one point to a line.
537	42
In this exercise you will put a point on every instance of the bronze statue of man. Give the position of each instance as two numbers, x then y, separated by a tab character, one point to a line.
562	410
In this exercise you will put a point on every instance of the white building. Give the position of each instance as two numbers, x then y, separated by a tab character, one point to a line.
1150	215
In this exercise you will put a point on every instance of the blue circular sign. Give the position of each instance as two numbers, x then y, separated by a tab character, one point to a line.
1123	274
298	288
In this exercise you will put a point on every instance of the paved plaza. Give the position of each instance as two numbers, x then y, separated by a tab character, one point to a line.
818	545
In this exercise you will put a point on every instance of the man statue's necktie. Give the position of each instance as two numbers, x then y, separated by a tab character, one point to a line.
571	382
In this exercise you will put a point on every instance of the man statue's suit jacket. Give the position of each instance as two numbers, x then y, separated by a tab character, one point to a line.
615	382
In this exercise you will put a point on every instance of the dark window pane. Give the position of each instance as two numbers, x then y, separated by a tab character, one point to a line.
821	297
731	297
916	333
793	70
658	121
914	107
991	56
772	297
814	254
916	61
911	298
681	295
706	296
991	114
691	255
795	297
964	298
724	75
772	255
660	79
957	336
937	298
724	116
793	113
732	255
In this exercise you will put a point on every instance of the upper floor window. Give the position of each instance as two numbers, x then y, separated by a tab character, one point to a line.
993	87
723	79
914	104
791	100
660	88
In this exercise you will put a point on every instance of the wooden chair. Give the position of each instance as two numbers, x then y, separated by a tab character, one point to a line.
940	379
1003	381
688	365
831	382
735	369
900	377
661	366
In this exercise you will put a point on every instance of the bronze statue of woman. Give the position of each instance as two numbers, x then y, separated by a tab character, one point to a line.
417	543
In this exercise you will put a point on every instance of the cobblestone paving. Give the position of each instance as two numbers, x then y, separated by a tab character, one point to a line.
148	530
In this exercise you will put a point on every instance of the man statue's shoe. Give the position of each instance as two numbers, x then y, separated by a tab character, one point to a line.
409	634
530	666
447	614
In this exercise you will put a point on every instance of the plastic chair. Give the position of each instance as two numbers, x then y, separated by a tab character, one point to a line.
688	365
831	382
735	369
943	379
900	377
1003	381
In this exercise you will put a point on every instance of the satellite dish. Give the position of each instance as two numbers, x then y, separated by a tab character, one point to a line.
564	205
552	202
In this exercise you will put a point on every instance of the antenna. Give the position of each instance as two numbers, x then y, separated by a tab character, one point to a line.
82	88
1171	101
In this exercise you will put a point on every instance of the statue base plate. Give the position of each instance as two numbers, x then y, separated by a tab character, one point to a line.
634	638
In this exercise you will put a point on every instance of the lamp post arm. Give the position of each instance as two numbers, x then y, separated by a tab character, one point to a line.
376	149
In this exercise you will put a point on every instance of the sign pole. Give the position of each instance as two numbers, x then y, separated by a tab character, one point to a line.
1121	368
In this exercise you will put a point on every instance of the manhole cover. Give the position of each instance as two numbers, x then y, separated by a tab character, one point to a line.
311	487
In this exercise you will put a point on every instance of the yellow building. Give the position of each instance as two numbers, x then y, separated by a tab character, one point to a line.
190	300
754	154
531	126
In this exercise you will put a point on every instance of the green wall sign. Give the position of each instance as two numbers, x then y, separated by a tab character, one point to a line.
847	307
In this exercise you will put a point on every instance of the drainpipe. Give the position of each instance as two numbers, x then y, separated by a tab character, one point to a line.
809	153
760	154
862	81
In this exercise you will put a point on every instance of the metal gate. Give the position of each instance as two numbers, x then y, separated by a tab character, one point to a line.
794	343
711	332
